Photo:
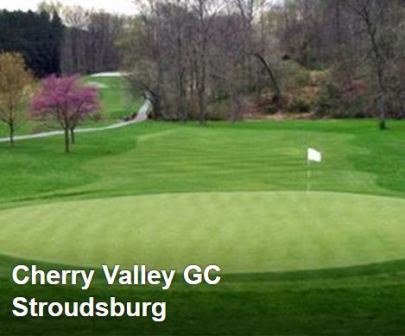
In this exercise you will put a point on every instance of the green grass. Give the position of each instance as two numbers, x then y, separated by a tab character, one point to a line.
243	232
331	262
351	301
116	101
153	158
116	104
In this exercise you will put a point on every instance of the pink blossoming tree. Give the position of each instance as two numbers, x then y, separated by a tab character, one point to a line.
66	100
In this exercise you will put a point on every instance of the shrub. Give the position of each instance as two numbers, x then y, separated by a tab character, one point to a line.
294	76
343	102
300	106
271	109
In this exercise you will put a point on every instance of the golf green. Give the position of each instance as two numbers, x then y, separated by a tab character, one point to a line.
242	232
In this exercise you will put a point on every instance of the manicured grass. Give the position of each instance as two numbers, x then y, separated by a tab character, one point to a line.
351	301
116	104
233	194
153	158
116	100
249	232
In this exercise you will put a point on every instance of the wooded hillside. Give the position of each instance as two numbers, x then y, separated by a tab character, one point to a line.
211	58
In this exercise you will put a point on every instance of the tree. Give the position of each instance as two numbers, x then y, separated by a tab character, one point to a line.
251	10
14	84
380	21
68	101
205	11
204	59
56	39
187	55
372	14
89	37
361	42
36	36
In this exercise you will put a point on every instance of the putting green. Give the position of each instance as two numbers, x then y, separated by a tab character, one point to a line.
242	232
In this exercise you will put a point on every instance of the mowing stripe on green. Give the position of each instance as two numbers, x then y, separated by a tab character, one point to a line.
242	232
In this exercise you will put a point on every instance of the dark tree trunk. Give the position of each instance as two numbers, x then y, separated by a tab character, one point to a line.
182	98
201	89
11	126
201	105
274	82
380	67
67	141
383	119
156	106
72	136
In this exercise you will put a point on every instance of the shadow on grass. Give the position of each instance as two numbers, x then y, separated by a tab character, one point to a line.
374	269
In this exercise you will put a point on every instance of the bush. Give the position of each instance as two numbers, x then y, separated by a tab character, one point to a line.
294	76
300	106
218	110
271	109
342	102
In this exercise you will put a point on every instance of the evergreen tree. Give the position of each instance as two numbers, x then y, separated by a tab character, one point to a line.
37	36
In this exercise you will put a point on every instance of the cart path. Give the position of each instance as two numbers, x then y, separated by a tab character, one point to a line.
141	116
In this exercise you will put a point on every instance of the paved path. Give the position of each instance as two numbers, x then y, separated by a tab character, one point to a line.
142	115
109	74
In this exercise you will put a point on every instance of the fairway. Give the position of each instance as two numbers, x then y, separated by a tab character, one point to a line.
155	186
243	232
168	194
202	167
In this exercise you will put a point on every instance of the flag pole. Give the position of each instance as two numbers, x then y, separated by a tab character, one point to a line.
308	176
314	156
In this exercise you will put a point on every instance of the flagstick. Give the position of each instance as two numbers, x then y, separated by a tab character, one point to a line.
308	176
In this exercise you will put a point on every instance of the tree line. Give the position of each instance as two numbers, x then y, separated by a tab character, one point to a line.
197	57
59	39
362	42
90	38
191	55
225	59
37	36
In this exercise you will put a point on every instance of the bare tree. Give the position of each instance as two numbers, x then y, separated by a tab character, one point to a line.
375	16
198	56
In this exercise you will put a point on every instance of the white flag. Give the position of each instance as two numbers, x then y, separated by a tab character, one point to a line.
314	155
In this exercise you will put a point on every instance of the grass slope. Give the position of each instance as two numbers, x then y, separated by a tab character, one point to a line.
153	158
116	102
222	162
352	301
